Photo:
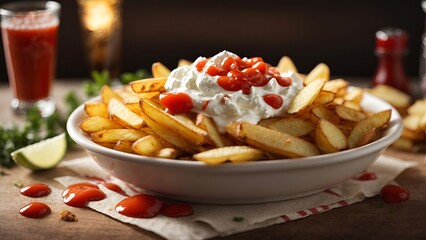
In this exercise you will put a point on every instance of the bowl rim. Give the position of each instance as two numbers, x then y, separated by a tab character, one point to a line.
393	132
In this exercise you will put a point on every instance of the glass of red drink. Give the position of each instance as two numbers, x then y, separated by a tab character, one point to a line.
29	33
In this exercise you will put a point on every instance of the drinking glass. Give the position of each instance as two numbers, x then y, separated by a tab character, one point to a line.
29	33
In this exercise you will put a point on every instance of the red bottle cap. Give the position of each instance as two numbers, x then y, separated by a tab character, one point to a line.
391	40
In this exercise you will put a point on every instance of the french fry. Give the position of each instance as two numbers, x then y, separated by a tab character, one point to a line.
95	124
204	122
322	112
391	95
159	70
123	115
169	135
147	146
335	85
286	64
107	94
321	71
115	135
329	138
149	85
124	146
233	153
192	134
365	126
349	114
271	141
306	96
135	98
293	126
96	109
170	153
355	95
418	108
324	97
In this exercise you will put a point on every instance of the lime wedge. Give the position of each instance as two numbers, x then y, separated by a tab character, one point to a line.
42	155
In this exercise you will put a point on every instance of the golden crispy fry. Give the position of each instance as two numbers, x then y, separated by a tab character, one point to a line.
321	71
293	126
95	124
96	109
272	141
365	126
124	146
123	115
147	145
115	135
418	108
349	113
329	138
354	95
233	153
136	97
169	135
107	94
149	85
267	121
367	138
191	133
306	96
391	95
159	70
170	153
204	122
321	112
286	64
324	97
335	85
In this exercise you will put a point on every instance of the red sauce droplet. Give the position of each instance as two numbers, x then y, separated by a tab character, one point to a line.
229	84
366	176
139	206
200	65
176	210
35	190
394	194
177	103
273	100
80	194
35	210
114	187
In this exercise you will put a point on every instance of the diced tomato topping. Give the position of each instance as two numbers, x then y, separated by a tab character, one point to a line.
177	103
273	100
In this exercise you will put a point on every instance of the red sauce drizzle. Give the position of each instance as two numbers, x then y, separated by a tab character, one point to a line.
177	103
114	187
35	190
35	210
366	176
394	194
80	194
176	210
139	206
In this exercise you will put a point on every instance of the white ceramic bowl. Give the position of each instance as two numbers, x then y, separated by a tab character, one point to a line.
250	182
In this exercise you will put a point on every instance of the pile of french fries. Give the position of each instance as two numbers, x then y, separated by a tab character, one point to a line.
414	117
324	117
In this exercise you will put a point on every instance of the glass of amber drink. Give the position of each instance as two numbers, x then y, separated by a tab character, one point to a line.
29	33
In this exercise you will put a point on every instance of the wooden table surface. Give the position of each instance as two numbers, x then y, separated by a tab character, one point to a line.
370	219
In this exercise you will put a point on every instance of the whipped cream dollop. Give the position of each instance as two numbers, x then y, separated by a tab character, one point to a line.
224	106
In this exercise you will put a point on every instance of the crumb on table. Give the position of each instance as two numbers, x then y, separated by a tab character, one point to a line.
68	216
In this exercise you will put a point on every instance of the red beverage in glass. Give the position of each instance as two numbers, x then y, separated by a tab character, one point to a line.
29	31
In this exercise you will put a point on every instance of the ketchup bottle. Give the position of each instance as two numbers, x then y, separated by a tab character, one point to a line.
391	47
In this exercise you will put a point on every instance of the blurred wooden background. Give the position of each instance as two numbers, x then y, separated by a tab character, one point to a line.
340	33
